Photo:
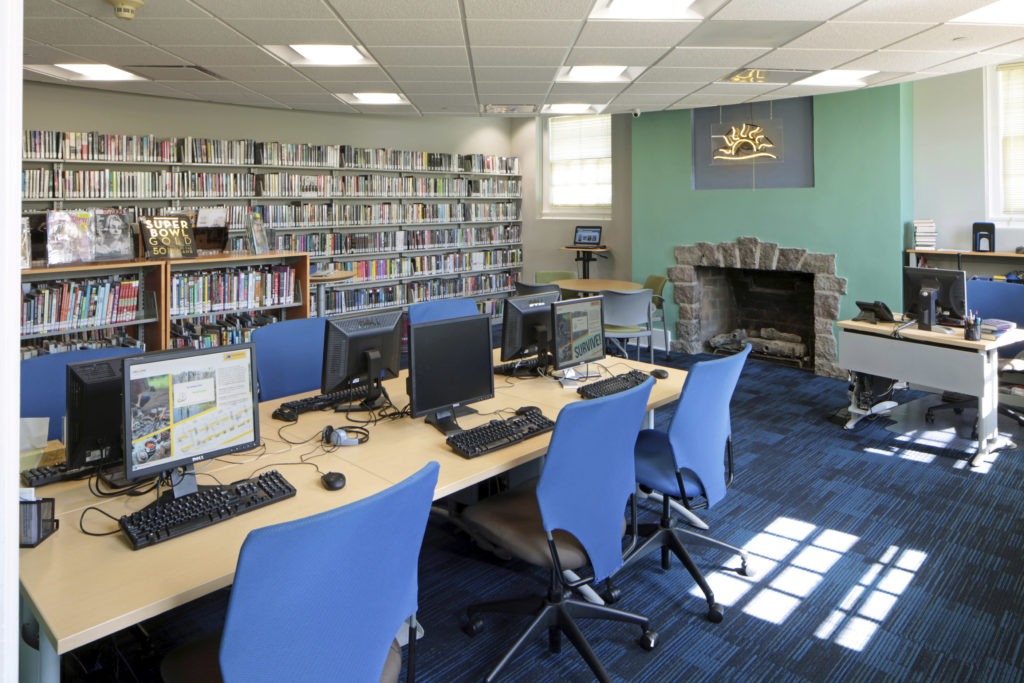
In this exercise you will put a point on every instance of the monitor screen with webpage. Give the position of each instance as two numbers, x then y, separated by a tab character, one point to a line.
450	365
186	406
587	236
578	331
362	350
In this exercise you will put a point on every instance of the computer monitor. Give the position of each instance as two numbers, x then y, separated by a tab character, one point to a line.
186	406
360	350
450	365
578	331
525	327
94	418
934	295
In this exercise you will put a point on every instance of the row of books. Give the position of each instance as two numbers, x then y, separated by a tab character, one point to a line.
231	289
63	305
925	234
339	301
368	270
207	331
95	146
94	339
469	285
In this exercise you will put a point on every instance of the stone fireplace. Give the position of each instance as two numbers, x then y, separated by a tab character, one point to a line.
747	286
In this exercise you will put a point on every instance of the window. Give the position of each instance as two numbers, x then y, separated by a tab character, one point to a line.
1009	143
579	164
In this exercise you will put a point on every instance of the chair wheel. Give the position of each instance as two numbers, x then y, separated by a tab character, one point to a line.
648	640
472	625
745	571
928	416
715	613
611	595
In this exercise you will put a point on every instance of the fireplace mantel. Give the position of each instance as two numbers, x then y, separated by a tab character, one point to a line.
752	254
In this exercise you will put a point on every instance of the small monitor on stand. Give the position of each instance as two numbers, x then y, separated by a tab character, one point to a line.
934	296
359	351
450	365
578	334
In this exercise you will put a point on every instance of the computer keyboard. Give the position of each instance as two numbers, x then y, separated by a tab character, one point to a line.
497	434
613	385
289	411
51	474
516	367
175	517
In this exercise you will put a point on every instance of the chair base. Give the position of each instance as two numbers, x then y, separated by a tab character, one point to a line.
557	615
958	405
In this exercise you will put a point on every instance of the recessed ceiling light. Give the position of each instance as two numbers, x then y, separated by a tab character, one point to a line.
645	9
595	74
765	76
842	78
509	109
320	55
1007	12
374	98
572	108
84	72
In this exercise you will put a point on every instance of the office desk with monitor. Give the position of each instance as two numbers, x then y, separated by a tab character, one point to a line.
81	588
931	360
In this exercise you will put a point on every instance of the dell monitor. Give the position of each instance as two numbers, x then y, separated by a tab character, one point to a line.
450	365
525	327
94	420
578	331
934	295
186	406
358	351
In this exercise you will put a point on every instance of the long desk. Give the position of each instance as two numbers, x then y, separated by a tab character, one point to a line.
933	360
81	588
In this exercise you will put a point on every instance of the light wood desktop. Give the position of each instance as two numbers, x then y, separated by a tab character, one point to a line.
594	286
932	360
81	588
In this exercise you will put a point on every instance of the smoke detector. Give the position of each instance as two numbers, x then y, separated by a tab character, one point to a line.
125	9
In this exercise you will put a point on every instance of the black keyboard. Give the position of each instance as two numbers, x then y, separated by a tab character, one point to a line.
516	367
497	434
289	411
613	385
51	474
175	517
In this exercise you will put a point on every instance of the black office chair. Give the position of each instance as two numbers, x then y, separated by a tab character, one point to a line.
523	288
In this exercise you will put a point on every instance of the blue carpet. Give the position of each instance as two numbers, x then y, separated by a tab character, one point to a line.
876	558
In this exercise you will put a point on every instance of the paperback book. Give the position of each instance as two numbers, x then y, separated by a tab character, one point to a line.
112	236
167	237
69	237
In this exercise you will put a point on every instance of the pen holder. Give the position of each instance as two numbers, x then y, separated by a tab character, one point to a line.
37	521
972	330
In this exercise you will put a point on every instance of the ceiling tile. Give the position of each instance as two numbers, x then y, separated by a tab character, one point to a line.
250	74
445	102
351	10
286	88
935	11
836	35
975	61
959	38
294	31
262	9
430	73
893	60
421	56
545	10
185	32
728	57
48	9
511	56
75	31
784	10
125	55
746	33
632	33
815	60
660	74
437	87
512	87
508	74
626	56
522	33
213	56
344	74
419	32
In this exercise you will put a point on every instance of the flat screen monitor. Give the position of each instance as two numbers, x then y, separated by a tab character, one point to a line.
946	289
525	324
185	406
578	331
94	419
450	365
361	350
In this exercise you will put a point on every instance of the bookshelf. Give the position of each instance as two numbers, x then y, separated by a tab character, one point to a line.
408	225
980	263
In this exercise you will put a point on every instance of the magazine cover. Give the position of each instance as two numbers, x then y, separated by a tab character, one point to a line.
258	242
167	237
68	237
112	236
26	243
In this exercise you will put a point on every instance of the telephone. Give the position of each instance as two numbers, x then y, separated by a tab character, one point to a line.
874	312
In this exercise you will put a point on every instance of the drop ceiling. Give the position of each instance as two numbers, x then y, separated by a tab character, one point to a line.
453	57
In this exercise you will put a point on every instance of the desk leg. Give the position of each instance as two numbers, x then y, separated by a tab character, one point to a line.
988	410
42	665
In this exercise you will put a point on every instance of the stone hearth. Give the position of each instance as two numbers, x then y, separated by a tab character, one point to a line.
752	254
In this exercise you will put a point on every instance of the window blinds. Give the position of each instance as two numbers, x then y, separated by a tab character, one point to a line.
580	160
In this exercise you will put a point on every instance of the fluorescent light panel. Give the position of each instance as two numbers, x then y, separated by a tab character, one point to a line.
320	55
509	109
372	98
597	74
1005	12
572	108
678	10
840	78
84	72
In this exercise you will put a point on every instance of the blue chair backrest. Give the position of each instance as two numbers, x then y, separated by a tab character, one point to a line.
998	299
289	357
44	383
701	425
442	309
589	473
321	598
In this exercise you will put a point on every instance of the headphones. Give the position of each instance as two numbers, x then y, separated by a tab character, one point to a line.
344	436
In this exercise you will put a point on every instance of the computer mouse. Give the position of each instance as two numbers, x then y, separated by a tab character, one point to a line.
659	373
333	481
522	410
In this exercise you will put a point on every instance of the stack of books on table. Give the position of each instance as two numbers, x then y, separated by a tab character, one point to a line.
993	327
924	234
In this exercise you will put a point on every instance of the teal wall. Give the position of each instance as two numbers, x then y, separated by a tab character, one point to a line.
861	200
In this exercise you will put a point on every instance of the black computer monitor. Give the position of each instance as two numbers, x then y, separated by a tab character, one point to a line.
525	323
361	350
578	331
94	417
934	295
185	406
450	365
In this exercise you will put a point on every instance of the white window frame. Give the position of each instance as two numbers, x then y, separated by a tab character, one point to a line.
592	211
994	151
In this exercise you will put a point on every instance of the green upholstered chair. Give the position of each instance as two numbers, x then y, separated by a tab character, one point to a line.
656	283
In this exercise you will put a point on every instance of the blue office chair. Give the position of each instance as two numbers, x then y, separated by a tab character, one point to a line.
441	309
44	382
321	598
574	517
691	463
289	357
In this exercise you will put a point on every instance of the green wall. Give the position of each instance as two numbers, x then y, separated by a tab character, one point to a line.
861	200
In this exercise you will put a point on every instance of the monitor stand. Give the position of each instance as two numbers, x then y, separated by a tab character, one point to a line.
570	377
113	476
444	420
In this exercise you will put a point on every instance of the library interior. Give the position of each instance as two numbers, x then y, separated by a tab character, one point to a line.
390	341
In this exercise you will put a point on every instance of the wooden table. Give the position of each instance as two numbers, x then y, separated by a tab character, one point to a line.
590	286
80	588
